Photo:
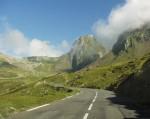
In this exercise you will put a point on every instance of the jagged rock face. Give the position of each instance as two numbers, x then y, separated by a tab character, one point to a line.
85	50
137	40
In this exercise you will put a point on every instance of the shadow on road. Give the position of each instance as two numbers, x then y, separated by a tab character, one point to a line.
128	104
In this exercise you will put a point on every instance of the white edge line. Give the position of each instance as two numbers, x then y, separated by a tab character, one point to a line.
63	99
71	96
37	107
77	93
49	104
86	116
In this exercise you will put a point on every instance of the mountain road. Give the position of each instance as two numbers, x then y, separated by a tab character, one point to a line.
88	104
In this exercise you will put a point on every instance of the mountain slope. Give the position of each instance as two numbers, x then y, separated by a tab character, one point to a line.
49	65
85	51
125	69
23	79
8	69
137	84
133	43
130	45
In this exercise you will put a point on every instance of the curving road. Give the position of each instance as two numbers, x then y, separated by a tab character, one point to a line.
88	104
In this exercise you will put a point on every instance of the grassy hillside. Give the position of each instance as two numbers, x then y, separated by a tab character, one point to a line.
137	84
97	77
18	95
22	85
130	78
49	65
12	68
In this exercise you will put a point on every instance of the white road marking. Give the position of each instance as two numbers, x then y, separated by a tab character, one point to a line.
37	107
77	93
64	99
90	107
69	96
94	100
46	104
49	104
86	116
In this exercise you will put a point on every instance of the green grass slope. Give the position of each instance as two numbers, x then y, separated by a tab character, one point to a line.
129	78
49	65
137	85
19	95
23	86
125	69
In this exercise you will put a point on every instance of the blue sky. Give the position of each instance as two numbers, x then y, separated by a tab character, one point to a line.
60	22
55	20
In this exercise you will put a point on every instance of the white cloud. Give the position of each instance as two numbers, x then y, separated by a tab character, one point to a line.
131	15
43	48
14	42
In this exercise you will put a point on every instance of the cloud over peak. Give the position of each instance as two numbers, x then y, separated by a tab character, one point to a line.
131	15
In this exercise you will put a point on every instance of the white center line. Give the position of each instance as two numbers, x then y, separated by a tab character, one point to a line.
90	107
86	116
94	100
96	94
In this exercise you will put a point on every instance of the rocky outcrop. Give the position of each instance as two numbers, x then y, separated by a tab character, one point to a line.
85	50
137	42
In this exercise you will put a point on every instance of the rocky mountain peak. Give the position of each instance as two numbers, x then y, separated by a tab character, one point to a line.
85	50
132	40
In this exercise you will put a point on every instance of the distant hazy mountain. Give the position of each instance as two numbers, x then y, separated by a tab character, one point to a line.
5	58
14	67
41	59
50	64
85	50
9	67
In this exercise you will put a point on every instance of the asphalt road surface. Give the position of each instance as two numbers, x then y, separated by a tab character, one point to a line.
88	104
